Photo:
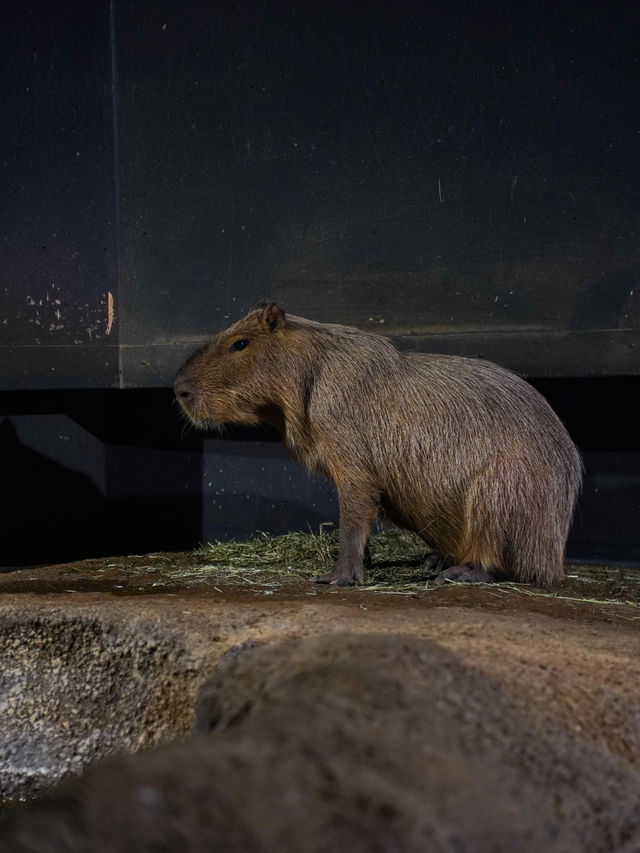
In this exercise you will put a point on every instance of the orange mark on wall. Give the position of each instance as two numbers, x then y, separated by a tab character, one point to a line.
109	312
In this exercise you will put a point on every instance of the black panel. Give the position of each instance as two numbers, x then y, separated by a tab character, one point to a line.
60	366
57	211
460	176
595	353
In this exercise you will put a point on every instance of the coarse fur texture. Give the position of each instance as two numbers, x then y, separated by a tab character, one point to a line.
459	450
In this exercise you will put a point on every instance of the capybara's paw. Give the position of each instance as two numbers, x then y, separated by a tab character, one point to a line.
341	577
463	574
433	563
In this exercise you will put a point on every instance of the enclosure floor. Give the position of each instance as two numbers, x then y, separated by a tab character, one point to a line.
589	592
566	668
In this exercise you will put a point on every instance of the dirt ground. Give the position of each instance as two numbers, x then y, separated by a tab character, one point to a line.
460	718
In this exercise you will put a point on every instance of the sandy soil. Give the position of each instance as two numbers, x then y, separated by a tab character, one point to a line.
462	718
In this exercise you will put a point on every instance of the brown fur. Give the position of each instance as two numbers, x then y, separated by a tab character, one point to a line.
461	451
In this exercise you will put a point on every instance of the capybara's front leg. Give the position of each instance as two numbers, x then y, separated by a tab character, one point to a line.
358	505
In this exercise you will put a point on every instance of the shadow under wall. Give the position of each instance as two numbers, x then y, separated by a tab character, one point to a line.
52	513
99	473
104	473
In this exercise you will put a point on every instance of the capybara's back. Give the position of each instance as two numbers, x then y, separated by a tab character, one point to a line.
459	450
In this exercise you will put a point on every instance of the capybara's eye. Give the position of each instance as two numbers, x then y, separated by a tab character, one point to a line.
241	344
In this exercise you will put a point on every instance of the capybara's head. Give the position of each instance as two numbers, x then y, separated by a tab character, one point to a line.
231	379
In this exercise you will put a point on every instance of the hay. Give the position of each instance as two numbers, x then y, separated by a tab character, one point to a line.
396	558
268	563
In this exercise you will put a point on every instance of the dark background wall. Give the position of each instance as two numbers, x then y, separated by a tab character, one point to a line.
57	196
462	177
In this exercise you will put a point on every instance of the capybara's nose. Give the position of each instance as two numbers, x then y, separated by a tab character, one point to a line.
182	389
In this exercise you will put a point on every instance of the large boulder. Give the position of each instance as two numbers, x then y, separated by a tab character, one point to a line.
358	742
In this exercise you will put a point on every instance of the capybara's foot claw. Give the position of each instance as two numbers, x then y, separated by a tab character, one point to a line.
339	578
463	574
433	563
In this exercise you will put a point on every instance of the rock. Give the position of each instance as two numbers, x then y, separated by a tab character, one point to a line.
75	688
368	741
460	719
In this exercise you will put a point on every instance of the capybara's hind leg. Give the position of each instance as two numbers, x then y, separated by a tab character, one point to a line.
479	551
464	574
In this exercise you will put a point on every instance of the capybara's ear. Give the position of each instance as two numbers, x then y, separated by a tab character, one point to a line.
271	315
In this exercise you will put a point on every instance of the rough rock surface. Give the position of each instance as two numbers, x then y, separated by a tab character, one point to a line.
466	719
74	688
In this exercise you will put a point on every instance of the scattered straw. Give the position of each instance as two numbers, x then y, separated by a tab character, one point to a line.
267	563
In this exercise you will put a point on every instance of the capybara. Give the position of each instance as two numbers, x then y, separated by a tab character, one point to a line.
459	450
